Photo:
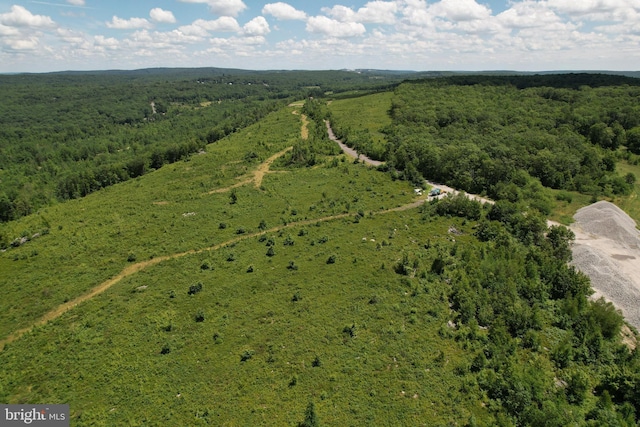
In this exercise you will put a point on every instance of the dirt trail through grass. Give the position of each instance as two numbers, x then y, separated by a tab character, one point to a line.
137	267
256	176
304	130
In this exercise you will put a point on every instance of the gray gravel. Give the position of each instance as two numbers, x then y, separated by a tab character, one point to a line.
607	249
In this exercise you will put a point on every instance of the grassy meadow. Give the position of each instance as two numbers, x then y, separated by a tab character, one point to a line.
324	318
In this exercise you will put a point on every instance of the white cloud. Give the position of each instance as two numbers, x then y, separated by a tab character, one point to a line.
377	12
258	26
340	13
283	12
415	14
222	7
333	28
128	24
70	36
30	43
8	31
107	42
201	27
76	2
528	14
159	15
21	17
587	7
460	10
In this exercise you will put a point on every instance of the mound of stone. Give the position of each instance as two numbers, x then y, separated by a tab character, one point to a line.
604	219
608	280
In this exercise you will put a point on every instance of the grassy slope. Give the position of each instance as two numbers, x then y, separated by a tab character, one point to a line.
630	204
91	239
368	113
103	357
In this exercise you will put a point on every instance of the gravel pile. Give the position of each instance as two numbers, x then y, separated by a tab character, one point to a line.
607	249
604	219
608	281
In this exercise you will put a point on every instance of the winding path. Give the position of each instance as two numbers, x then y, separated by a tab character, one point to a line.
257	176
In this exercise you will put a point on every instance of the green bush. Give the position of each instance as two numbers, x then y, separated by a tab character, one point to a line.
246	355
194	289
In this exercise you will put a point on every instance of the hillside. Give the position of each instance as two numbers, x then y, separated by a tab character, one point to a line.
269	272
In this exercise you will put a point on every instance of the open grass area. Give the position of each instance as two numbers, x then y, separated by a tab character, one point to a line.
630	204
170	211
362	119
353	336
322	316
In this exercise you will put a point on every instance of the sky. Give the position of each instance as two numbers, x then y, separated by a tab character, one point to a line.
420	35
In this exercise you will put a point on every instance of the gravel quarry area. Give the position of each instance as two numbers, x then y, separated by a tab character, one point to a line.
607	249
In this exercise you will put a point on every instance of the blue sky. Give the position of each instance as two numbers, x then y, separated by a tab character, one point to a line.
52	35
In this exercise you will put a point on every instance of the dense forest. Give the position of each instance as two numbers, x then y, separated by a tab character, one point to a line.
493	134
65	135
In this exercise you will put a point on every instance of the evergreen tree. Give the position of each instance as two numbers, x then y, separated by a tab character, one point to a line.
310	417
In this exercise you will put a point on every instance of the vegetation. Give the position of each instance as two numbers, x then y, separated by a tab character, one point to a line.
65	135
504	136
362	309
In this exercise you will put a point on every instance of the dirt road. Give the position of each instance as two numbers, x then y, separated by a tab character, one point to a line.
350	151
612	266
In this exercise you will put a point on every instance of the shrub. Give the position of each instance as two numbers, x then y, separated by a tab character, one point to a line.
250	269
288	241
263	225
231	258
331	259
241	230
206	265
246	355
194	289
222	225
316	362
350	330
131	257
199	317
296	297
165	349
292	266
271	251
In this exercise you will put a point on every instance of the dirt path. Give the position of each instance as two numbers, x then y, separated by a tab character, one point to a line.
304	130
137	267
256	176
350	151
